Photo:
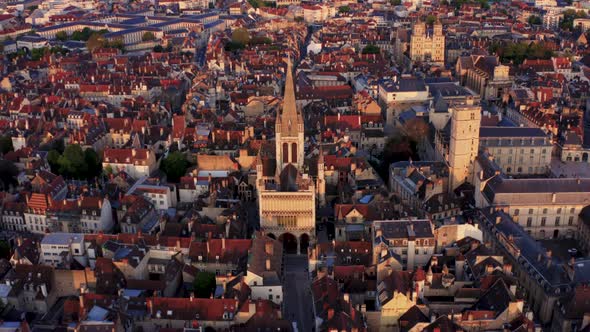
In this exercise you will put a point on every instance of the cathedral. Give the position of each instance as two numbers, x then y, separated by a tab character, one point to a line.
287	191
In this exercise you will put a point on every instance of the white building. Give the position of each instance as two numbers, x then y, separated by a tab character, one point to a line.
96	215
61	249
412	240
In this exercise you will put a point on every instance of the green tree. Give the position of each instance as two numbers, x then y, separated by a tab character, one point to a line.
517	52
395	2
344	9
72	163
82	35
567	23
484	4
61	35
534	20
371	49
8	174
148	36
38	53
174	166
108	170
430	19
93	164
256	3
75	162
5	250
204	284
240	36
117	43
53	160
6	144
95	41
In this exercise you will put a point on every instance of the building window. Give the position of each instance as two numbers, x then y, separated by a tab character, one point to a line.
543	221
529	222
530	211
545	211
285	152
516	212
572	210
559	211
557	219
570	221
294	152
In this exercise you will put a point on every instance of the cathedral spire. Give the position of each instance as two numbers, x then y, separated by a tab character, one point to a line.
289	118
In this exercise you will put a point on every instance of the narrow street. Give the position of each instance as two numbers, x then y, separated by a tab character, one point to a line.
297	295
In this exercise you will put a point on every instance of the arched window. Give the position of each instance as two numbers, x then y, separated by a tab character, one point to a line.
294	152
285	152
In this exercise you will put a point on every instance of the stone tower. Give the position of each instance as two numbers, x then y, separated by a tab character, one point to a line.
321	181
289	128
464	144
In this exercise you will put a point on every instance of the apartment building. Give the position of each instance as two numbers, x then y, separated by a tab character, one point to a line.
412	240
517	150
545	208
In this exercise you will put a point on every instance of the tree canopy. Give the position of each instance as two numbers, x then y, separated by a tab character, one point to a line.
204	284
148	36
75	162
567	23
5	250
534	20
175	166
6	144
8	174
240	36
344	9
371	49
518	52
61	35
430	19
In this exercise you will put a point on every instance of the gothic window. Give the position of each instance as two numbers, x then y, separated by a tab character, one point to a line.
285	152
294	152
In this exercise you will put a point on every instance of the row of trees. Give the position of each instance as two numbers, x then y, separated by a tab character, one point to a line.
518	52
75	162
95	38
568	19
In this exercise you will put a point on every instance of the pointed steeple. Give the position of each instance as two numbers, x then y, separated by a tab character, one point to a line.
290	120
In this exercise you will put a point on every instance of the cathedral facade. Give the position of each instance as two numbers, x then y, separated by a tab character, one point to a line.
427	47
286	193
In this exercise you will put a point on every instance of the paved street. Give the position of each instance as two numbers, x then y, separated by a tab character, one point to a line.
297	301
